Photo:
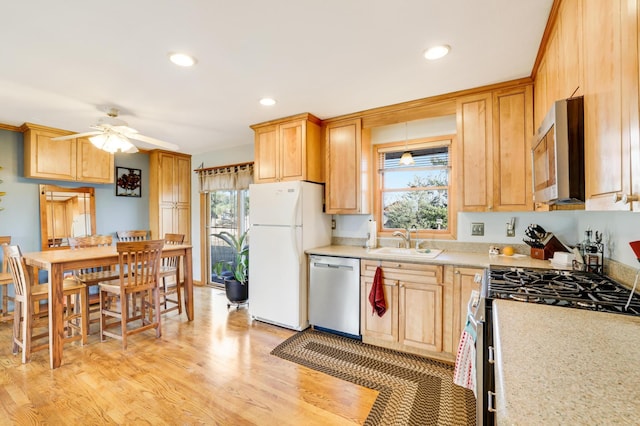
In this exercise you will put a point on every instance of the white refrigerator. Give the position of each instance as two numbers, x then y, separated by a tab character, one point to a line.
286	219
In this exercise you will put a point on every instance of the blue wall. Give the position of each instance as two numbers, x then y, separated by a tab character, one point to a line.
21	215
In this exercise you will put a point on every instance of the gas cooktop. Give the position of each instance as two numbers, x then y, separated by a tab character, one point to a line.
574	289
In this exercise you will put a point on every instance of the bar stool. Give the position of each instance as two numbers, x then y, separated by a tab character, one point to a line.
5	280
169	268
139	263
91	277
26	321
136	235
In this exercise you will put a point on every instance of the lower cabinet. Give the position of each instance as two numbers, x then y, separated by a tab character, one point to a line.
415	298
464	281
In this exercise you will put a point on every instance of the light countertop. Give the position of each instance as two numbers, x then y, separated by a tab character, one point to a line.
558	365
447	257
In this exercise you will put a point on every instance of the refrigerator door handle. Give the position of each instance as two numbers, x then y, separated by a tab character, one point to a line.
294	217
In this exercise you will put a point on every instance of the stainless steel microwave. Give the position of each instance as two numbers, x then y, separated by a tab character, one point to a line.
558	154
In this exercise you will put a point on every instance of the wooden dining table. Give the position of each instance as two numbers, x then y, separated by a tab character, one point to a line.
57	262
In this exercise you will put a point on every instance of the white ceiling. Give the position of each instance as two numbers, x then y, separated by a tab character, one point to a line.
64	61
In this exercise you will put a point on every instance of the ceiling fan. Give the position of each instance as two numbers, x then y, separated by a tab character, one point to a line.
112	134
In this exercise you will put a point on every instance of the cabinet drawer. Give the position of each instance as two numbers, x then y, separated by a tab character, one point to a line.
414	272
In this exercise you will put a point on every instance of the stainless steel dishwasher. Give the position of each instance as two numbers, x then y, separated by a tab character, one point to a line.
334	294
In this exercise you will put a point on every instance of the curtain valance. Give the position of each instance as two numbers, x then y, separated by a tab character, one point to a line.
234	176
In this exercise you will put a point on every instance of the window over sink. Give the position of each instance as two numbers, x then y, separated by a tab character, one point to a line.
416	196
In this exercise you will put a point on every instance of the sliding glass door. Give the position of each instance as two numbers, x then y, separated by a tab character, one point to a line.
228	210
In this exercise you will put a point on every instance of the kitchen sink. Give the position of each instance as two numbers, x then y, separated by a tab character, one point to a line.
405	252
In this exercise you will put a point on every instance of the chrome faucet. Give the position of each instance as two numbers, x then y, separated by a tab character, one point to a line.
406	238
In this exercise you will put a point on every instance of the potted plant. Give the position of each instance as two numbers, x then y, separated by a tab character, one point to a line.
237	285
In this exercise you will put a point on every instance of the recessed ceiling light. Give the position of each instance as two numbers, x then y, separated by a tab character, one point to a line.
436	52
182	59
267	101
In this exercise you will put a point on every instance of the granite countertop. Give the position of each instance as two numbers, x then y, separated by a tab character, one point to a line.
447	257
558	365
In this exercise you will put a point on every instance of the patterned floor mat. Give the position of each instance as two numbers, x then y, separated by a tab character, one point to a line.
413	390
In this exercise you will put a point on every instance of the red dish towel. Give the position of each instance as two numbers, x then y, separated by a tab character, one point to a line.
376	295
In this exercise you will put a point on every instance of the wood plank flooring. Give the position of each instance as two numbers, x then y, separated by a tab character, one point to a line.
216	370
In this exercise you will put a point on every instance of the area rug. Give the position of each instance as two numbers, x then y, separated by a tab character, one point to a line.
413	390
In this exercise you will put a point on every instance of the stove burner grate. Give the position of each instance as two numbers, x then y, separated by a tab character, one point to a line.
575	289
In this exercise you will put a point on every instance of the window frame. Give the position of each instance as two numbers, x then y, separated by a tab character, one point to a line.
414	144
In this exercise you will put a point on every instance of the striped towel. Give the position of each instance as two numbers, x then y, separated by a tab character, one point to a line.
464	373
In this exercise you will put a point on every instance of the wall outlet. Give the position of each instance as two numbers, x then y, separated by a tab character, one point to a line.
333	224
477	229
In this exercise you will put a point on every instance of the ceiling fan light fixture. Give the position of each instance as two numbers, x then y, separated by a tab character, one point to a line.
182	59
113	143
437	52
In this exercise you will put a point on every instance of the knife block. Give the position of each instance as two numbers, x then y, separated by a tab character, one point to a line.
551	245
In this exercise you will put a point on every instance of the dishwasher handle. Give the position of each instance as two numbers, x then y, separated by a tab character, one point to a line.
331	266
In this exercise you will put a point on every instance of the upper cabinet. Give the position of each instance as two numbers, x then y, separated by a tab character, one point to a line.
348	155
68	160
289	149
592	50
170	194
494	156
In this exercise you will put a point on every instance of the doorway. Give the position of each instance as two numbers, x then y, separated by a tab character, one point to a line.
228	210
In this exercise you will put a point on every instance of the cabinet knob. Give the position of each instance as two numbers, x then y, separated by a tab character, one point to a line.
626	199
457	272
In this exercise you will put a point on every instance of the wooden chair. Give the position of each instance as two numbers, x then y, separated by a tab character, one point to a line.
124	236
26	321
5	280
91	277
170	276
139	263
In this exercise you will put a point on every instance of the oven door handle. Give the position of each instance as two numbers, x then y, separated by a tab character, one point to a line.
472	306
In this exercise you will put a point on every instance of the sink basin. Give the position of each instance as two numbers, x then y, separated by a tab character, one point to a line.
404	252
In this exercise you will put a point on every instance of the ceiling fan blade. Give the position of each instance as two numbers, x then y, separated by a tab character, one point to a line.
74	136
154	141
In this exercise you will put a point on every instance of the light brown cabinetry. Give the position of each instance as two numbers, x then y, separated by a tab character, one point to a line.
597	46
464	280
288	149
414	296
494	132
170	194
68	160
347	165
474	122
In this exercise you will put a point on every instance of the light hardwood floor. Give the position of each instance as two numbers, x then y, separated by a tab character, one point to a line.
216	370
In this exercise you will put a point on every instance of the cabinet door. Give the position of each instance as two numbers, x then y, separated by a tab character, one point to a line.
343	168
93	164
465	280
604	146
49	159
182	182
292	144
266	154
420	308
371	325
474	123
167	179
512	133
